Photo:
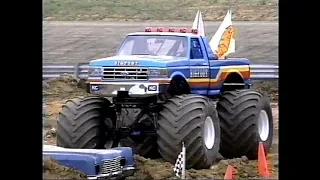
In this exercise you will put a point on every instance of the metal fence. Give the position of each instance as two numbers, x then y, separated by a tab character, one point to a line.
258	72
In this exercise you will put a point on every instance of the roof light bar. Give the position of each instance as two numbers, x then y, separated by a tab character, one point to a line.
178	30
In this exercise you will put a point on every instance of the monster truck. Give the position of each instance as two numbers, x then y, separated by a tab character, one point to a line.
165	88
115	163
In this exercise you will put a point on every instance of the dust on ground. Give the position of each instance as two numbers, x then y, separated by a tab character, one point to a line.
57	91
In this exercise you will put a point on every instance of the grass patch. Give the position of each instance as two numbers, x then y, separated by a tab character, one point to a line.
143	10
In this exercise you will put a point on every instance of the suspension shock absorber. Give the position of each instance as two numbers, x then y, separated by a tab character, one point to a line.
155	119
119	117
117	130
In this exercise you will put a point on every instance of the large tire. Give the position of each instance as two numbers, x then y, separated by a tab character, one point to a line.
147	147
239	113
83	123
183	120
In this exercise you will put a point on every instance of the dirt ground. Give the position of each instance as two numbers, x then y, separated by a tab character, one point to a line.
55	94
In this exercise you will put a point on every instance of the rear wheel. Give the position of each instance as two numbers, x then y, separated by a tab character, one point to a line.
245	119
192	120
84	123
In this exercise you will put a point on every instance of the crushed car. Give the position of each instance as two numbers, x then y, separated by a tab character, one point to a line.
115	163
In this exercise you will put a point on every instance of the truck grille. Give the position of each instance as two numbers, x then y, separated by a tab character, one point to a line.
133	73
111	165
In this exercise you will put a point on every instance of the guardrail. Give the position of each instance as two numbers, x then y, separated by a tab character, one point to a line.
80	70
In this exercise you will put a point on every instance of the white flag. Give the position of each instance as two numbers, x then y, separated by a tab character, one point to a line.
198	23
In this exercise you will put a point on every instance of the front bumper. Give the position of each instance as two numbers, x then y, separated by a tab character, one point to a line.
133	89
126	171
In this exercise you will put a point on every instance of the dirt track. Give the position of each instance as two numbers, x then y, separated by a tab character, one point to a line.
73	42
56	92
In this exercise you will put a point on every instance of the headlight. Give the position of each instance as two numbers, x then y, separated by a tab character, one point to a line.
95	71
158	72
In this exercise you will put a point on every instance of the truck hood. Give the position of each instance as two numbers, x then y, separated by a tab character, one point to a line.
86	159
143	61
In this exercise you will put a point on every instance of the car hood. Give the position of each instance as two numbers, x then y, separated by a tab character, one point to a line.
142	61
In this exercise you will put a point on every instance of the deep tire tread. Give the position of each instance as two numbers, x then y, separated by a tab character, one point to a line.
81	123
181	120
238	113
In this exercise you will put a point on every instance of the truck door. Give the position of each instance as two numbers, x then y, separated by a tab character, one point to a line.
199	80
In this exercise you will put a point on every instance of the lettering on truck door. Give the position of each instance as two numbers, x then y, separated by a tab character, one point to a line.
199	79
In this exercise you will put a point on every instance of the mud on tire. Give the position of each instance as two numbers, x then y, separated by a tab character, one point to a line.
84	122
183	120
239	113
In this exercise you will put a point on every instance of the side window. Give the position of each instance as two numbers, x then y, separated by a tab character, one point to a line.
195	51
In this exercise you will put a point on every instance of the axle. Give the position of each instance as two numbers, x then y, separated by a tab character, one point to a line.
137	135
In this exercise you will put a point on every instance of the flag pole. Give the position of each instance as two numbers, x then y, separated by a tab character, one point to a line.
183	174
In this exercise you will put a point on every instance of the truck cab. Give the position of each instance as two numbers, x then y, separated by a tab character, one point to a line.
177	61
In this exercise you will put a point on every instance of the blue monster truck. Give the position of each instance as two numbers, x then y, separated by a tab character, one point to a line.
165	88
115	163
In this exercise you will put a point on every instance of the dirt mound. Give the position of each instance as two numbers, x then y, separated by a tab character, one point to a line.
269	88
52	170
158	169
64	85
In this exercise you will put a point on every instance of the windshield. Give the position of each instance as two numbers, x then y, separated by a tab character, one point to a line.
155	45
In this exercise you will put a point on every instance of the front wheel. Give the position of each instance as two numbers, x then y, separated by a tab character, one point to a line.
192	120
84	123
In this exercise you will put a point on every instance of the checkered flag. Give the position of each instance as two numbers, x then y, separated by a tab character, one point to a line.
180	165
